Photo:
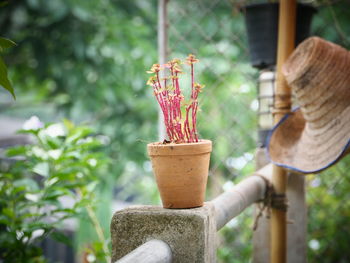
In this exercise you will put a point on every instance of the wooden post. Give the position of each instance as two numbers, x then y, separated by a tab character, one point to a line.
162	53
286	40
297	214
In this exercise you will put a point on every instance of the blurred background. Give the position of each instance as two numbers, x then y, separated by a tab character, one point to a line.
86	61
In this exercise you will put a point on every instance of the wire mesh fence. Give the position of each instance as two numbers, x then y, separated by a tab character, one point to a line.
211	31
214	31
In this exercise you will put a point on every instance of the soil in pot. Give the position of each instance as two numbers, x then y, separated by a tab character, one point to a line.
181	172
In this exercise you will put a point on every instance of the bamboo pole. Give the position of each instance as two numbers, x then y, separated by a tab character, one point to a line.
282	105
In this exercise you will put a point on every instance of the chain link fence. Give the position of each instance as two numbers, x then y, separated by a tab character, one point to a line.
214	31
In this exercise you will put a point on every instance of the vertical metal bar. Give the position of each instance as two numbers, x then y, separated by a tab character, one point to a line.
162	53
286	40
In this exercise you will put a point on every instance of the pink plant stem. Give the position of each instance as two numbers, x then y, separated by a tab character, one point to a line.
162	106
165	118
194	121
194	95
187	125
194	115
178	107
171	123
163	99
171	107
192	81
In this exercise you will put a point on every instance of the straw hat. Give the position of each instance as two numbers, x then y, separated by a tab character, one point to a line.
317	134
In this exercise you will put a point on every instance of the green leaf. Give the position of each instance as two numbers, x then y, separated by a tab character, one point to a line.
29	184
4	220
53	142
18	189
41	169
34	132
54	194
4	81
6	43
68	124
4	3
60	237
15	151
8	212
78	133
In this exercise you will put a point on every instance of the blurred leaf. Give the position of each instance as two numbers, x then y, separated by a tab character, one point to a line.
78	133
28	183
60	237
8	212
6	43
3	3
15	151
68	124
42	169
4	81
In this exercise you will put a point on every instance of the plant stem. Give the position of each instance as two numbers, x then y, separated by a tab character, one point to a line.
98	229
99	232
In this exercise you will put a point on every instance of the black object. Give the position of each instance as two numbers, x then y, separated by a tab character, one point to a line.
262	29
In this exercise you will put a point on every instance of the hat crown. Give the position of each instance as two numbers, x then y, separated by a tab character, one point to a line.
319	73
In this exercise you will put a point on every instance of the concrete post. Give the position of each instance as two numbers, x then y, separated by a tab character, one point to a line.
190	233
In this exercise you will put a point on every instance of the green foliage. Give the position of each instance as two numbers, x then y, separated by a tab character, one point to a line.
64	162
328	214
331	22
4	81
85	61
237	234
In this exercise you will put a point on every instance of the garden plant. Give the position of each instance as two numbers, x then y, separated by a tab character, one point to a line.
62	164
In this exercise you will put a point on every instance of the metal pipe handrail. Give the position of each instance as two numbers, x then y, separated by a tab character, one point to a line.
153	251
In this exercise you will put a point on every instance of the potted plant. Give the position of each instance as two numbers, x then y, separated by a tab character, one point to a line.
181	162
261	19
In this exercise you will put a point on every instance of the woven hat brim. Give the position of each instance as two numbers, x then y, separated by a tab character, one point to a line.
290	146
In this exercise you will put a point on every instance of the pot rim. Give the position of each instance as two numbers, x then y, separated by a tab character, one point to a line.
158	148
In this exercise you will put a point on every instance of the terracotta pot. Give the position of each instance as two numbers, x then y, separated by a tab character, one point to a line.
181	172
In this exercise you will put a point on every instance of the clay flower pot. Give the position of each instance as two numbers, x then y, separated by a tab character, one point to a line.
181	172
